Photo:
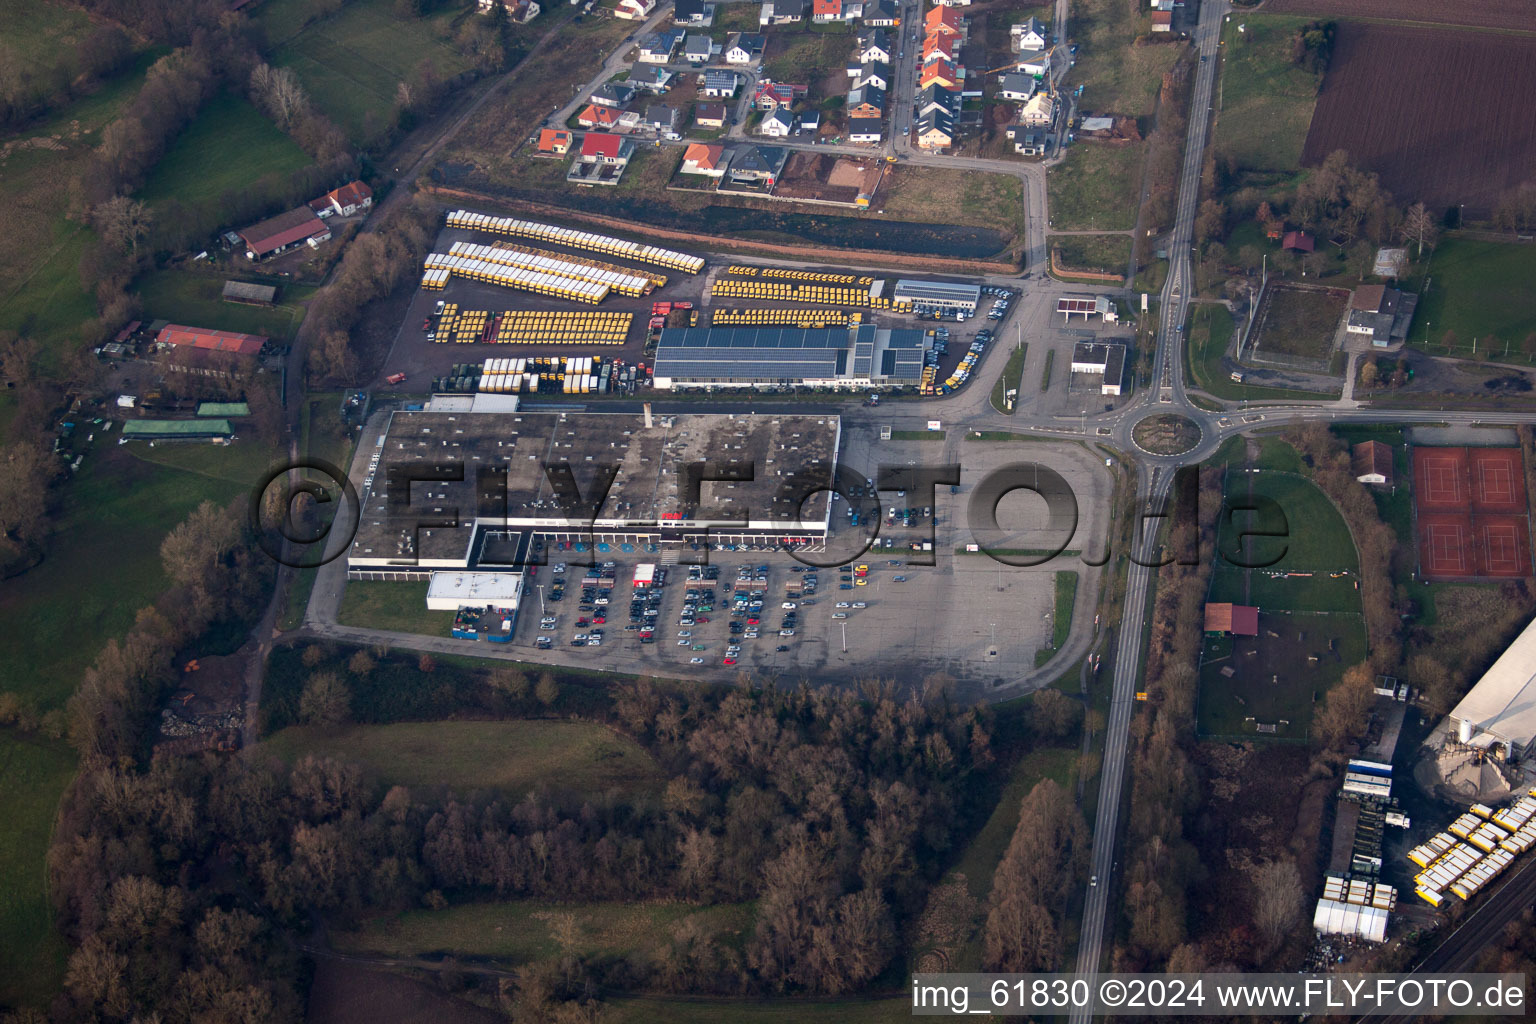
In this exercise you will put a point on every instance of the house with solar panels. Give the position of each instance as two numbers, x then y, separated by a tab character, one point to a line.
763	357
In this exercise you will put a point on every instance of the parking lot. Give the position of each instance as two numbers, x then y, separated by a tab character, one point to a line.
966	614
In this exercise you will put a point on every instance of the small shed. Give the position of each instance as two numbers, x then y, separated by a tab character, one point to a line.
1371	462
251	294
1235	619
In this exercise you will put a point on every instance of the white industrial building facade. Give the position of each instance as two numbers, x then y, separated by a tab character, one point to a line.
1499	712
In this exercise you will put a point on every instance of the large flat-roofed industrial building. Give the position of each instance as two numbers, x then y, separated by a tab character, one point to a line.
1499	712
931	295
533	482
745	357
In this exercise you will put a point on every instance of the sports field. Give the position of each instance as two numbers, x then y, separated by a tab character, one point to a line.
1275	677
1312	567
1483	290
1472	518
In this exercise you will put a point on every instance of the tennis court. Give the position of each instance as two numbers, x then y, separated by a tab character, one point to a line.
1472	516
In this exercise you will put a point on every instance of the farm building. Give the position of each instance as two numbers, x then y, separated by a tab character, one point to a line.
250	294
1236	619
1101	359
224	410
1499	712
353	197
745	357
1371	462
178	336
176	430
277	235
944	295
642	504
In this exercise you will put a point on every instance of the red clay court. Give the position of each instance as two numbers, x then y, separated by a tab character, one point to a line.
1472	520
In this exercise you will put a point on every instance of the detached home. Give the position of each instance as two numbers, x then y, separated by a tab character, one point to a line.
866	101
635	10
836	10
649	77
594	116
1031	35
1039	112
661	119
778	123
941	21
882	14
940	72
1014	86
692	12
875	73
935	130
601	160
770	94
613	94
718	83
709	115
874	44
757	165
1026	141
1162	21
864	130
556	141
783	12
936	97
698	48
658	48
706	160
1033	62
745	49
353	197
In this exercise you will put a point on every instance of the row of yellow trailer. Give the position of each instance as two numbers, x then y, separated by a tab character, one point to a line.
741	270
658	280
783	291
624	283
533	327
590	292
1474	850
514	227
784	317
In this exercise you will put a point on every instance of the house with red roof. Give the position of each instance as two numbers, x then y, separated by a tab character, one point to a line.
595	116
942	21
1236	619
939	72
601	159
277	235
180	336
555	140
353	197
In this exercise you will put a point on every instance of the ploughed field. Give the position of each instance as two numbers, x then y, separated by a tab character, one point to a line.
1459	135
1497	14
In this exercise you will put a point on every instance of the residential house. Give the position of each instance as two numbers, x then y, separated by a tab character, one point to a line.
942	21
810	121
1162	21
594	116
1030	35
874	73
1162	5
778	123
702	159
940	72
953	3
709	115
783	12
698	48
757	165
881	14
717	83
1033	62
1298	241
1014	86
556	141
745	49
601	159
658	48
770	94
866	101
836	10
936	97
864	129
692	12
935	130
1039	112
613	94
1371	462
635	10
353	197
1026	141
940	47
520	11
649	77
278	234
874	44
660	118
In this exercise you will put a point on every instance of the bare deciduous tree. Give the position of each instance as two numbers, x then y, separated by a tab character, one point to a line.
123	221
1277	898
1419	226
278	92
326	701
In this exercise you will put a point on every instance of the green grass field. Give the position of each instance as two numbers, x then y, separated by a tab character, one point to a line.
1266	101
1119	78
1096	253
38	34
804	57
1009	379
228	147
1316	541
103	561
32	954
513	756
1094	188
397	606
182	296
1482	290
1045	374
520	931
352	62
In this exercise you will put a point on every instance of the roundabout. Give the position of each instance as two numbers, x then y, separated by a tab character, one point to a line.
1166	434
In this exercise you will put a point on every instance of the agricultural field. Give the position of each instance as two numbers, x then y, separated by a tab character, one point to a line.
521	931
1119	77
1439	138
35	770
513	756
1484	290
1266	100
228	147
352	62
1297	322
1094	188
1496	14
197	299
